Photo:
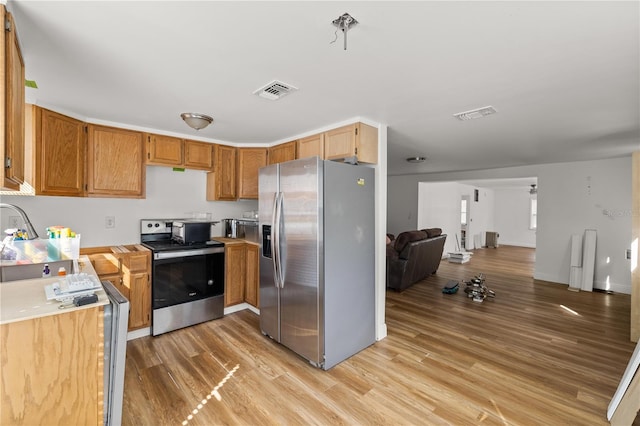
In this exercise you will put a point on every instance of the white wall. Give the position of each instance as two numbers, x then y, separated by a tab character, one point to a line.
439	207
511	216
480	214
571	197
169	195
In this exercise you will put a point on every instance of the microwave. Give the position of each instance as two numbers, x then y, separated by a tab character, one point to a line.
190	232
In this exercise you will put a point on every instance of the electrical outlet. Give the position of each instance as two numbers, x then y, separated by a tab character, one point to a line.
110	222
14	222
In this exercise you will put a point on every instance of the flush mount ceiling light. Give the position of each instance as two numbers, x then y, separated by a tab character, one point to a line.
416	159
475	113
344	24
195	120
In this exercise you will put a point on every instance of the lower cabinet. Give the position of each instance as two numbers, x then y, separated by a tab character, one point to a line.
128	268
242	277
235	273
52	369
252	285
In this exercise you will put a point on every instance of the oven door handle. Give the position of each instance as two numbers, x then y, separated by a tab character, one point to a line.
173	254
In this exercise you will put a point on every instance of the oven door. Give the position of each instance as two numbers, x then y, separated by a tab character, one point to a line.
187	275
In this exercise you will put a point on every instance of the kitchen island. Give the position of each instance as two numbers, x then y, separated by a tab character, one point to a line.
52	359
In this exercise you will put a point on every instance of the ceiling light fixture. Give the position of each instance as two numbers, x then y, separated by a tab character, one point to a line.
416	159
195	120
344	23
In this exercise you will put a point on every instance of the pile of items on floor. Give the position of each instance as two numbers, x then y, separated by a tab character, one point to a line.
475	288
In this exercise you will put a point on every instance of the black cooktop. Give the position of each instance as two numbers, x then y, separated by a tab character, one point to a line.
172	245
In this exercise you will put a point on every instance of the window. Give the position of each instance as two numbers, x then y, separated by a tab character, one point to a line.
463	212
533	213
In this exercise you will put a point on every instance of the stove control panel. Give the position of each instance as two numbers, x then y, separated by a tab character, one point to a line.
155	226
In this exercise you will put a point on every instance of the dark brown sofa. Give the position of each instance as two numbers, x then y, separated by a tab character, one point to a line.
413	256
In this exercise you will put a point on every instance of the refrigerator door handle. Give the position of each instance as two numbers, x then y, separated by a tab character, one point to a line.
274	239
278	217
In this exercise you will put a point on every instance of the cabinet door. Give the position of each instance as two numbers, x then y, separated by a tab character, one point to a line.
221	183
139	286
249	162
311	146
163	150
114	163
235	269
252	286
340	142
14	119
358	139
198	155
60	154
283	152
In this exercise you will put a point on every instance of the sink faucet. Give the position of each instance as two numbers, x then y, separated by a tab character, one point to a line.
31	232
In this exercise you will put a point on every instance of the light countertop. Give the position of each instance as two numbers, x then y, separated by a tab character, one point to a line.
25	299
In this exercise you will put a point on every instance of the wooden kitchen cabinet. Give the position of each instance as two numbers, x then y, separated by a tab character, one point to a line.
283	152
198	155
115	166
175	152
221	182
163	150
60	144
249	162
235	273
128	268
354	140
311	146
52	369
252	276
13	108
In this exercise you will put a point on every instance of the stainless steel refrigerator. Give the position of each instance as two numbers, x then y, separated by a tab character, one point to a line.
317	258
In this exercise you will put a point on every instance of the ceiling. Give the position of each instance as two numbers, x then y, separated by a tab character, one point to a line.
564	77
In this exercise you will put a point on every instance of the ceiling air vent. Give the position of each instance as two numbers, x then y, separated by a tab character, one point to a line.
275	90
475	113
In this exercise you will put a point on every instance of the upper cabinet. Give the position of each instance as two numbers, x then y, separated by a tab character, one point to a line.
60	154
169	151
12	107
283	152
221	183
198	155
311	146
249	162
115	166
355	140
163	150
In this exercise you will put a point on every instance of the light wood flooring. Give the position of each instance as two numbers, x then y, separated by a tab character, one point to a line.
518	359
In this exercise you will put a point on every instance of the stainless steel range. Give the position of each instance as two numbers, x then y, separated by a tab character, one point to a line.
187	284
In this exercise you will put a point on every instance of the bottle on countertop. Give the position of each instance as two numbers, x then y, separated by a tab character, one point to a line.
46	272
62	271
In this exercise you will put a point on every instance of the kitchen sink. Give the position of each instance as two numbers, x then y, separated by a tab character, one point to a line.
32	270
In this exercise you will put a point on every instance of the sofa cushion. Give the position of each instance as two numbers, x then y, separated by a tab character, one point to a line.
408	236
433	232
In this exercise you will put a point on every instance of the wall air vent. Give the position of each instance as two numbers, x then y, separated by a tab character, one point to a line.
475	113
275	90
